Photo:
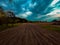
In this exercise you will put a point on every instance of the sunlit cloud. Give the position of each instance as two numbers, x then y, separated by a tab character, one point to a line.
50	16
57	15
54	12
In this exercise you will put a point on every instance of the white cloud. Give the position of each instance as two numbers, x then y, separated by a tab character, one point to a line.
3	4
54	12
54	2
25	15
28	13
40	16
32	5
23	9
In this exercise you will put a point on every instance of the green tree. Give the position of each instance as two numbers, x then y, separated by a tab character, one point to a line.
2	15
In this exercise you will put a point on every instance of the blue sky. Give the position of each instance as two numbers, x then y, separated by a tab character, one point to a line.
35	10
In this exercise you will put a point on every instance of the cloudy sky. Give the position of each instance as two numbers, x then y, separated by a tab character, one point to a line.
35	10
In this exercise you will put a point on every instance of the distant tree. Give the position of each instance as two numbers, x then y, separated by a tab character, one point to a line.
54	21
11	15
2	14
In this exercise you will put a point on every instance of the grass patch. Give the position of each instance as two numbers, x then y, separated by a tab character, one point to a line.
5	26
51	27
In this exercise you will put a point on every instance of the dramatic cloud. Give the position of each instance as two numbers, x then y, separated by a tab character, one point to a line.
44	10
